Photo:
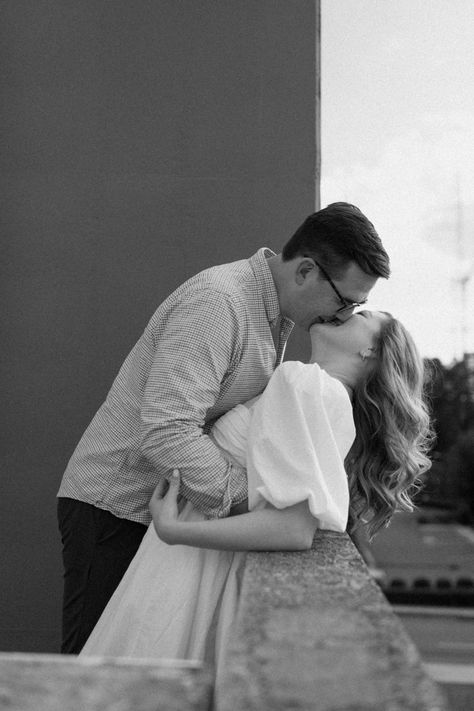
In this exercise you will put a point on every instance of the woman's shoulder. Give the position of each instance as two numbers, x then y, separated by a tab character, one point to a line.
295	368
312	378
300	374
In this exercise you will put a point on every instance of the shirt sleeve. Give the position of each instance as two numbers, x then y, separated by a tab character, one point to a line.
201	343
295	452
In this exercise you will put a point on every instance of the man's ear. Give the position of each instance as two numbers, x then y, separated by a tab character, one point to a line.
304	267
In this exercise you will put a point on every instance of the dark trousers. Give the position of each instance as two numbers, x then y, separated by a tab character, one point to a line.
97	550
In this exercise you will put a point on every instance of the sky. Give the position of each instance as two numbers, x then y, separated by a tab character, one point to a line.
397	125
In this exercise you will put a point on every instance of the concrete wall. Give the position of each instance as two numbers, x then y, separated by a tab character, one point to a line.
142	141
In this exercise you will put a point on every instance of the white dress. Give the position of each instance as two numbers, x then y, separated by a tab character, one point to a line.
178	601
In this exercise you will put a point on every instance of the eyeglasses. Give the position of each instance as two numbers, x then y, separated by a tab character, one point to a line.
346	304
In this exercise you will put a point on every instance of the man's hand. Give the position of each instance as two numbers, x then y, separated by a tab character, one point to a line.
164	507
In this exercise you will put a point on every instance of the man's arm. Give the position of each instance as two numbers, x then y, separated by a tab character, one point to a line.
267	529
200	346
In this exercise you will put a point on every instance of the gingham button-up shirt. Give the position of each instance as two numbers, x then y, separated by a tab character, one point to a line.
208	347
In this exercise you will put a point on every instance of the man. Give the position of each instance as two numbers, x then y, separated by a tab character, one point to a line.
213	343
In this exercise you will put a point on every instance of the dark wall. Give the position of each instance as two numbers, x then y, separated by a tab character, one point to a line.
141	142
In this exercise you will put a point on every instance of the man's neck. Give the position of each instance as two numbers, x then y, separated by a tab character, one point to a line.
275	264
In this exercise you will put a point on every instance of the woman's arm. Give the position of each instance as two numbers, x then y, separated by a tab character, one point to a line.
268	529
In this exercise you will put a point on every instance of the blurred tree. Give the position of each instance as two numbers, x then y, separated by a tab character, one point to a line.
460	470
451	395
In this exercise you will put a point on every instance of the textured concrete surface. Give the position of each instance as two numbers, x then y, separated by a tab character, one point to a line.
314	632
58	683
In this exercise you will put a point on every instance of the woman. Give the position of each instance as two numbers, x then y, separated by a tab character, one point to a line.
344	436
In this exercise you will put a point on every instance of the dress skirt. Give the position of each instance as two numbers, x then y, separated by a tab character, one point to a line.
174	602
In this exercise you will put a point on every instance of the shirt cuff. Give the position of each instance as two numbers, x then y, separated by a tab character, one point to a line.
236	492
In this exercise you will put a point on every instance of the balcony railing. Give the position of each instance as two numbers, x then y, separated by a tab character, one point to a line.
313	633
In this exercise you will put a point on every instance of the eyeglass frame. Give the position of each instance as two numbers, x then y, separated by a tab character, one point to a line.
346	303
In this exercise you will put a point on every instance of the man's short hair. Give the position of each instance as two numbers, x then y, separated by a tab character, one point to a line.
337	235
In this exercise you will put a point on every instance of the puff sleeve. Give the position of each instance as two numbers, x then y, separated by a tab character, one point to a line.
300	432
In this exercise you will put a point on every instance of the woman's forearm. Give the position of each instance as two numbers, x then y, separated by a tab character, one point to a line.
266	529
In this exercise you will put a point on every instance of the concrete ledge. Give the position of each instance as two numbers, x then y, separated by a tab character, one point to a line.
314	632
43	682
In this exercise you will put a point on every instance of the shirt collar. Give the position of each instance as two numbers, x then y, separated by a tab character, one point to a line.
264	278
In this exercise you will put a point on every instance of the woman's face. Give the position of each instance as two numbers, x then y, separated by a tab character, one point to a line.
354	336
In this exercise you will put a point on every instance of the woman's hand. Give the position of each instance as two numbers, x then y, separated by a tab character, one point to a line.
164	507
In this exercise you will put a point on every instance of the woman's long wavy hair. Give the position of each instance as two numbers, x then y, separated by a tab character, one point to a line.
389	454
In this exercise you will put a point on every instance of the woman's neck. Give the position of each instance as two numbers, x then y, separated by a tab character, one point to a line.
347	373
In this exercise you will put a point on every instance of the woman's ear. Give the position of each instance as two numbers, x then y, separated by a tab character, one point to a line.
368	353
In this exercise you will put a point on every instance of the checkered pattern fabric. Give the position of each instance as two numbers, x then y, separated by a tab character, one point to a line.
208	347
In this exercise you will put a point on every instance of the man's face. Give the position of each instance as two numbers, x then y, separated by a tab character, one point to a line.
312	298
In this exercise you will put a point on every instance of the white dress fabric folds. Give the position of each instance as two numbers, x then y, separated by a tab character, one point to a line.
179	601
300	434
